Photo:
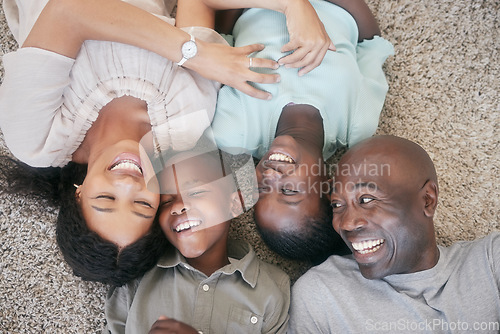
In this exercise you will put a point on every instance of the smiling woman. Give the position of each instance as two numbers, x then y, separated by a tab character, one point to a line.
114	199
88	252
108	234
87	105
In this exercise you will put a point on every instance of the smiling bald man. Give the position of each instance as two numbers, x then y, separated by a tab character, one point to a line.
397	278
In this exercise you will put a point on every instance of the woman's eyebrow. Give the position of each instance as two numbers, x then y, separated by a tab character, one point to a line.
142	215
102	209
109	210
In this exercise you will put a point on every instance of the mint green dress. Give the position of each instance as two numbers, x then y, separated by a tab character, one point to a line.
348	88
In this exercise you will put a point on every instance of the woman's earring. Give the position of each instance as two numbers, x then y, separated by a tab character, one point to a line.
77	192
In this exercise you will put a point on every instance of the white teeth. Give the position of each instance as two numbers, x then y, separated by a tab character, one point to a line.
127	165
187	225
280	157
367	246
372	250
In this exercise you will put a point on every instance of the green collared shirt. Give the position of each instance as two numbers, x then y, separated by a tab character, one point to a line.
245	296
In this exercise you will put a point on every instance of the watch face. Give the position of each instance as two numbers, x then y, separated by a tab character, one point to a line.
189	49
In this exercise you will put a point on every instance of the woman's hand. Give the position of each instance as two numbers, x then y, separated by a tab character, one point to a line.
308	38
171	326
231	66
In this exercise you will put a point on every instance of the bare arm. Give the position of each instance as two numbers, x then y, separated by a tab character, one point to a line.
64	25
194	13
308	38
367	24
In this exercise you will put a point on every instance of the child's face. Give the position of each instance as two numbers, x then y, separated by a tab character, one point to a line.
291	182
195	205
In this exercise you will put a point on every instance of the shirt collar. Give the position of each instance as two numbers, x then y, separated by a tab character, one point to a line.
243	260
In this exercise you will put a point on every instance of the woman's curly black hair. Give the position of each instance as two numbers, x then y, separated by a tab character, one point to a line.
91	257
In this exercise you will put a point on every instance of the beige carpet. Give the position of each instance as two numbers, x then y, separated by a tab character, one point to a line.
444	94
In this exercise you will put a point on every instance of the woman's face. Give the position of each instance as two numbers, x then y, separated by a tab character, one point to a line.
114	199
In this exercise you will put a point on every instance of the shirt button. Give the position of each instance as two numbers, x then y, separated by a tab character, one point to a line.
254	320
206	287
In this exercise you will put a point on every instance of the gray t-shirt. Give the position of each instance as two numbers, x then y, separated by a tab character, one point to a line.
458	295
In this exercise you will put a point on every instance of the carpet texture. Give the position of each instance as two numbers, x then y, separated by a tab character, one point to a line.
444	94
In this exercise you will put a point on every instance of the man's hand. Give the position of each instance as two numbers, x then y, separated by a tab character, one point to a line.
166	325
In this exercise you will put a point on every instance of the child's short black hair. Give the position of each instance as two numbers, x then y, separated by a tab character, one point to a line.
311	239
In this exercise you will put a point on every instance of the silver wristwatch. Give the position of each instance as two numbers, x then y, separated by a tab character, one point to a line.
188	50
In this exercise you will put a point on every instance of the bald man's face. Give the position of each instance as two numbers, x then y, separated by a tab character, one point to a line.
378	209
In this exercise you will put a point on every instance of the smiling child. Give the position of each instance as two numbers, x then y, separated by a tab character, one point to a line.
213	284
